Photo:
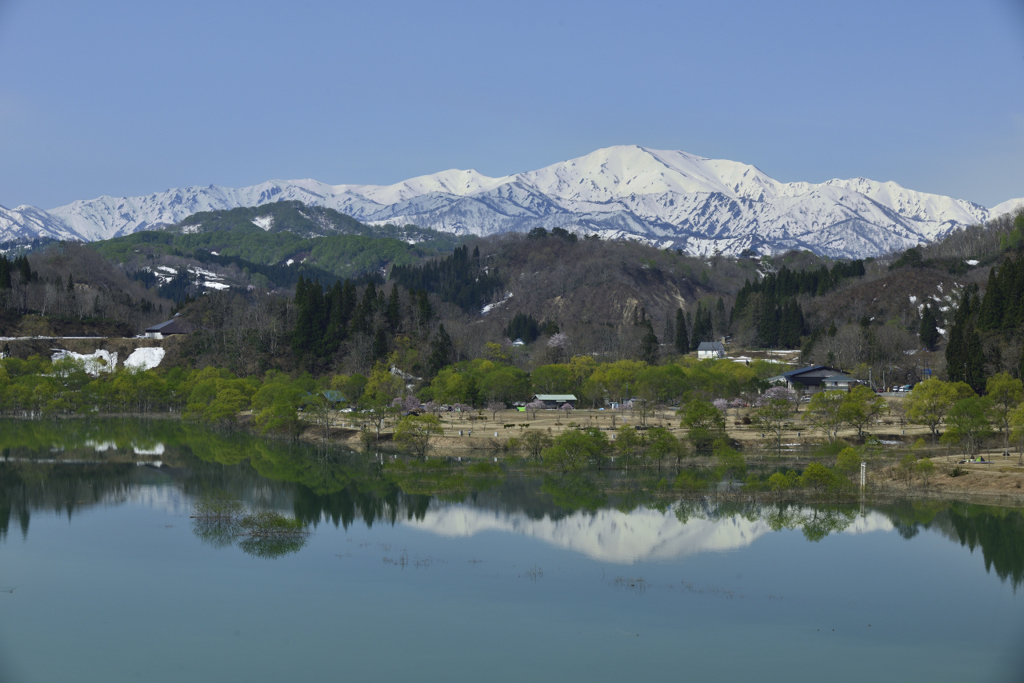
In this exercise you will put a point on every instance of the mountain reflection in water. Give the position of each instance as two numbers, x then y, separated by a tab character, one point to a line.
627	537
59	468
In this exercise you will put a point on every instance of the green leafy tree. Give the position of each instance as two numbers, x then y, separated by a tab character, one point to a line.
772	411
906	468
226	406
967	424
580	370
860	408
928	403
848	462
576	449
820	479
1005	393
704	424
1017	433
731	462
534	441
505	384
825	412
627	444
661	445
381	390
416	431
552	379
317	408
925	469
275	405
777	483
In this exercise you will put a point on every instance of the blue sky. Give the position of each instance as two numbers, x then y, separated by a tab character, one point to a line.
127	98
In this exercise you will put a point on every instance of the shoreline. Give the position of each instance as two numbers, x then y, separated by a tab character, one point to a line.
1000	483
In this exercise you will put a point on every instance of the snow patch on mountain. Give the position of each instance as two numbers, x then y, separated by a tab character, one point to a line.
263	222
26	223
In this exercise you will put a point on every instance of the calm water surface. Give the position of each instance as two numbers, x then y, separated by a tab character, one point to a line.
105	577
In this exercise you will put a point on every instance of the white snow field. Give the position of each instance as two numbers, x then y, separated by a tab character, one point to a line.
144	358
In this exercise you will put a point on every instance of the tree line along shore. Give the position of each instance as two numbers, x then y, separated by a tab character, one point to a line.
706	422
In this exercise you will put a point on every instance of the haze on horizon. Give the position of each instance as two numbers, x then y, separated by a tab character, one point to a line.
131	98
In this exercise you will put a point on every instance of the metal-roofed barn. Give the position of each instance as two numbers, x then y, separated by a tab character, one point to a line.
556	400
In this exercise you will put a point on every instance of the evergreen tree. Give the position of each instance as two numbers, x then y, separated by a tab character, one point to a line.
955	363
769	323
703	328
1002	307
975	360
682	340
5	273
669	333
649	346
25	269
424	313
310	323
337	321
787	283
928	331
362	317
349	300
457	279
393	311
721	319
791	325
524	326
441	352
380	344
961	349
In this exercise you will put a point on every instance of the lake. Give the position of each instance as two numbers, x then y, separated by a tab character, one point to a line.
451	574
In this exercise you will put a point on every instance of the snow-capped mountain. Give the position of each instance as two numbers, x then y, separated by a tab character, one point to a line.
26	223
669	198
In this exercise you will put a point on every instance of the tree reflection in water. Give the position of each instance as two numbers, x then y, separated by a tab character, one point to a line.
67	466
220	522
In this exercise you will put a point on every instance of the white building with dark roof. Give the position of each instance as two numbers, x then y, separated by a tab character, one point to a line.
711	350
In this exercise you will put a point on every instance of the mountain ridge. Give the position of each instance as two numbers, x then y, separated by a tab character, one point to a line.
669	198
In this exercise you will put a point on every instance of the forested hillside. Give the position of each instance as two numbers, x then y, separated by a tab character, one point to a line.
564	297
359	299
272	246
69	289
987	332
